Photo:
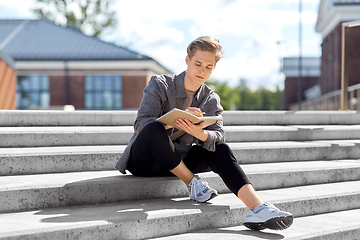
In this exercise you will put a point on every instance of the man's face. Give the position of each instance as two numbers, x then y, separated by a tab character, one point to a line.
200	66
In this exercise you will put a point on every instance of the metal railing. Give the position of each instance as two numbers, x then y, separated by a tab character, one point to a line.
332	101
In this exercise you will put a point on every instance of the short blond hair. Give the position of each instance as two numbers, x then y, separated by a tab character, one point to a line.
205	43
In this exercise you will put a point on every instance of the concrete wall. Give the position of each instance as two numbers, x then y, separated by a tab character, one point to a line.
7	83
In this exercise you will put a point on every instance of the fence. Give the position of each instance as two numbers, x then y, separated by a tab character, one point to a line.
332	101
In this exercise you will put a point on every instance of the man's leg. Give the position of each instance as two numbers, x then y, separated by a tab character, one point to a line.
153	154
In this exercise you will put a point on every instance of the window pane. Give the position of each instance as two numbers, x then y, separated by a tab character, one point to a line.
89	100
108	99
35	99
25	100
117	101
35	83
44	83
107	83
98	82
98	100
18	100
117	83
19	82
25	84
45	99
88	83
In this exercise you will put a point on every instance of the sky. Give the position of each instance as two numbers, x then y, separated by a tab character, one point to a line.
255	34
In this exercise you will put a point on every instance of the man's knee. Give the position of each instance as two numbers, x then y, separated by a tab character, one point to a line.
223	148
154	128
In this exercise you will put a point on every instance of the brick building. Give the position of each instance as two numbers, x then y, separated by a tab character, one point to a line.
59	66
309	79
331	15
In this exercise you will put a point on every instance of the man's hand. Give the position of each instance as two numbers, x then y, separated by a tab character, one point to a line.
192	129
195	111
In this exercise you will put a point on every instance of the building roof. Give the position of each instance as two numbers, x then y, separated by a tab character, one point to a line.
9	61
44	40
345	2
311	67
332	12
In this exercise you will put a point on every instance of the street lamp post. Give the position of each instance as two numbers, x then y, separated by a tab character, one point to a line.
299	88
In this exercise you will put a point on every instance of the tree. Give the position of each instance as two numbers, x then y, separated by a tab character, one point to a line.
89	16
229	98
249	100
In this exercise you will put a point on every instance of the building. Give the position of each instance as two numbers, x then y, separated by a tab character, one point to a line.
324	93
310	73
59	66
331	15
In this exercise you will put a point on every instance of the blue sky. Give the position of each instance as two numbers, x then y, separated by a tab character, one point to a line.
248	30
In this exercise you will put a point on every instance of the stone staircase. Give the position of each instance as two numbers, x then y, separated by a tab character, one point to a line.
57	179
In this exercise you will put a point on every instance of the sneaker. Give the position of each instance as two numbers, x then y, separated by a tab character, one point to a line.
268	216
200	191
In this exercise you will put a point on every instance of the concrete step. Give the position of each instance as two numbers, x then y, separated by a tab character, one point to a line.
291	133
330	226
54	190
291	117
24	118
37	160
64	136
86	136
162	217
126	118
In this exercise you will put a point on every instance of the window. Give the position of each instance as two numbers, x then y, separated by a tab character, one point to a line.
32	91
103	92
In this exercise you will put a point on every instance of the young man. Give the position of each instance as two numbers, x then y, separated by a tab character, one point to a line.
158	150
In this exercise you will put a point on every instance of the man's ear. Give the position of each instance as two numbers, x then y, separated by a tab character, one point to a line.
187	59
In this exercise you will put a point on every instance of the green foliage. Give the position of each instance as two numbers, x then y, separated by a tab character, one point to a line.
229	98
95	15
243	98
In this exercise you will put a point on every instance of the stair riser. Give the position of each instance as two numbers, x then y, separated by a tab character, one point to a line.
284	154
20	165
113	189
291	118
126	118
351	233
158	227
61	118
64	139
296	135
47	139
45	163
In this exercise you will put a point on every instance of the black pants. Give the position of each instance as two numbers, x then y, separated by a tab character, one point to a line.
153	154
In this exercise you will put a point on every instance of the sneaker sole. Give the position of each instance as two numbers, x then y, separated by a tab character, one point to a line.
277	223
211	197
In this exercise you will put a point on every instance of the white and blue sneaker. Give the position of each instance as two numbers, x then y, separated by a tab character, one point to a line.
200	191
268	216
